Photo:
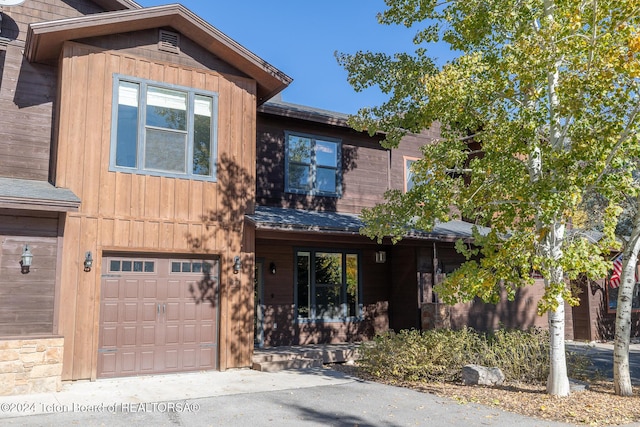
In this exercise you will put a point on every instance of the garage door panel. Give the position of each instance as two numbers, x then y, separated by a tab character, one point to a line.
130	312
128	336
172	311
151	289
150	320
189	335
150	311
207	333
111	289
110	312
174	289
131	289
109	337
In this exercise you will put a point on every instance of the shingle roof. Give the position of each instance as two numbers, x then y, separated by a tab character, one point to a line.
285	219
36	195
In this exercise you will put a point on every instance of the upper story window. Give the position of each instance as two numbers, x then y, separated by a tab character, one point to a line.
163	130
409	174
313	165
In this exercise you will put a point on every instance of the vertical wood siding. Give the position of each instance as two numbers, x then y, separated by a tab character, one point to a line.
141	213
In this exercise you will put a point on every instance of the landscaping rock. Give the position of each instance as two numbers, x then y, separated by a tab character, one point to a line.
481	375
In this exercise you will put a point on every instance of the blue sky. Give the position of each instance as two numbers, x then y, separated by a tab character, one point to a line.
299	37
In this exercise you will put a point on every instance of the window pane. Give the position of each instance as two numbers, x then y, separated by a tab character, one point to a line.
328	268
126	265
299	149
196	267
165	151
352	285
166	108
326	180
186	267
202	136
149	267
299	177
326	153
175	267
327	301
137	266
303	284
409	173
115	266
127	122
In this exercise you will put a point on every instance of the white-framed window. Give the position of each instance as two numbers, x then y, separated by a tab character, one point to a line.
328	284
165	130
409	173
312	165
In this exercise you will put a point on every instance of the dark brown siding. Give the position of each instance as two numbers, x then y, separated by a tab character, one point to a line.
280	326
28	91
364	162
409	148
27	300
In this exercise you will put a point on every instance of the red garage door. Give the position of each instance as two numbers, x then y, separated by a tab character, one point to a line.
157	315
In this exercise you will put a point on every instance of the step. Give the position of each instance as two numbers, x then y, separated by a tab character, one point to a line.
279	365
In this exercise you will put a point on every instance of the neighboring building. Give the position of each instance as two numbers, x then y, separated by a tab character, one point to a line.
176	217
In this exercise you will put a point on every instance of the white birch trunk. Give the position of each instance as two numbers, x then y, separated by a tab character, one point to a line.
621	375
558	380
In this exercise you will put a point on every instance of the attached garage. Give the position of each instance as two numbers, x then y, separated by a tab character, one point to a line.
158	315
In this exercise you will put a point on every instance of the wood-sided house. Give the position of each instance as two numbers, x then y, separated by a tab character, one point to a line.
174	217
318	280
127	164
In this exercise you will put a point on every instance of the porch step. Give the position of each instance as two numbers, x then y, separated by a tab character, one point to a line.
300	357
279	365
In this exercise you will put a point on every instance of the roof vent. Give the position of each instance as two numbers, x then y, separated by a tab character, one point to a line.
169	41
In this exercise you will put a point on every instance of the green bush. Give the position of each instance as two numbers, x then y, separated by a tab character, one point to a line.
439	355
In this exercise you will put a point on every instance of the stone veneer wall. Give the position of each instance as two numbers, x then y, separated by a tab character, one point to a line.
30	365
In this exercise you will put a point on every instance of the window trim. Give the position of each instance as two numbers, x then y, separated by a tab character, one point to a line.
405	160
140	143
343	297
314	191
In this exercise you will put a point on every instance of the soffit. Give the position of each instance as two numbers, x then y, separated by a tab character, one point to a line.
45	40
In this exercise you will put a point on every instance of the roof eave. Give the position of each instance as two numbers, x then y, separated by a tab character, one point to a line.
45	39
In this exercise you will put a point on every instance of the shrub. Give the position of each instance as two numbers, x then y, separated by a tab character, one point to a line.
439	355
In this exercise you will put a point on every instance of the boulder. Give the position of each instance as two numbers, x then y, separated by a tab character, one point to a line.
481	375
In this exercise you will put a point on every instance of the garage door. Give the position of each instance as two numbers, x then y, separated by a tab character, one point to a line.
157	315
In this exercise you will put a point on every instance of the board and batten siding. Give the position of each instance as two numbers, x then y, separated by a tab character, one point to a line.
150	214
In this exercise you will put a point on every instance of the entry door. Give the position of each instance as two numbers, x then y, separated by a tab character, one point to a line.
157	315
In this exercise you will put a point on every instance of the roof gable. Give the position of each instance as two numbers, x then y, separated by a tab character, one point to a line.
45	39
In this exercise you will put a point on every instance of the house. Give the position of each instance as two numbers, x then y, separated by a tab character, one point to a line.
127	166
162	210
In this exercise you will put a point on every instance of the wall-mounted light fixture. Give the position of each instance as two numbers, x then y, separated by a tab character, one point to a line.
88	261
272	268
26	259
236	265
381	257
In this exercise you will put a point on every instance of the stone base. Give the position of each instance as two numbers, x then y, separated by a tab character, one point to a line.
435	316
31	365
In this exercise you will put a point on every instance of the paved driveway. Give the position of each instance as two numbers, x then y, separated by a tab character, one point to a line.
350	403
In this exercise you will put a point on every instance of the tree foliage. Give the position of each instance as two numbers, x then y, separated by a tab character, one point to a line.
497	93
538	108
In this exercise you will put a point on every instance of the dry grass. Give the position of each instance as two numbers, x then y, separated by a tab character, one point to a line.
597	406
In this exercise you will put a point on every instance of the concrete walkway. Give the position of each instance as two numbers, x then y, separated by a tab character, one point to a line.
243	397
